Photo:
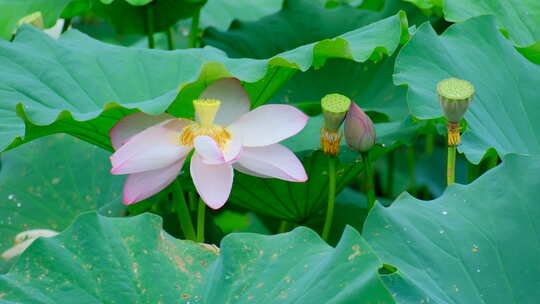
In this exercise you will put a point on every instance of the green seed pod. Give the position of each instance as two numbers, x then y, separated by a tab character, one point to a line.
334	108
455	96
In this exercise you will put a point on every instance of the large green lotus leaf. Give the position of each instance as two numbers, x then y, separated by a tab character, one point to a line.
504	114
300	23
221	13
58	95
131	17
475	244
49	182
520	18
131	260
368	84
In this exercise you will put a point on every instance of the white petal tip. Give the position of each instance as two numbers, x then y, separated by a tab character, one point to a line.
215	205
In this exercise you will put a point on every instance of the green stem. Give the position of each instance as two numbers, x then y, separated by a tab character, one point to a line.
170	41
150	24
370	185
192	200
390	174
194	31
473	171
411	166
331	197
200	221
283	226
65	26
182	210
451	165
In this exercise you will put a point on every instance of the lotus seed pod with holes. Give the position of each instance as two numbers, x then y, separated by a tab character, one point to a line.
455	96
359	130
334	108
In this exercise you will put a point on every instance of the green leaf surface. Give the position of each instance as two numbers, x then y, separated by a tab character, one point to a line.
221	13
12	11
131	16
300	24
127	16
475	244
368	84
504	113
59	96
520	18
531	52
293	202
108	260
422	4
49	182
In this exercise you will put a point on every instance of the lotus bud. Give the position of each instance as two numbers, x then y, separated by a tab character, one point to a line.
359	130
334	108
455	96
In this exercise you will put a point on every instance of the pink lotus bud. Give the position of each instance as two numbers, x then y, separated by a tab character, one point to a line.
359	130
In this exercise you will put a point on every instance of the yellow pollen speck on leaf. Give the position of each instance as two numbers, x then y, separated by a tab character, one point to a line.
220	135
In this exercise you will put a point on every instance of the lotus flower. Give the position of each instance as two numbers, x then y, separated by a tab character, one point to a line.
359	130
152	148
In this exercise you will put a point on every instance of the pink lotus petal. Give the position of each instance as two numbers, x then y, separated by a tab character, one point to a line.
213	182
154	148
233	149
234	99
133	124
274	161
209	150
151	158
269	124
142	185
240	168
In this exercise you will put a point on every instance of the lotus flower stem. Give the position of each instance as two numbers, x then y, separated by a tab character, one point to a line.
194	31
200	221
411	165
65	26
451	165
192	198
170	40
150	24
370	185
455	96
182	210
284	226
331	197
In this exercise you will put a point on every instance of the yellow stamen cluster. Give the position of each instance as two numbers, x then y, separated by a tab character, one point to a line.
330	141
453	133
218	133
